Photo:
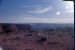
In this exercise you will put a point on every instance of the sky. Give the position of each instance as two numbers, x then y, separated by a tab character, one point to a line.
36	11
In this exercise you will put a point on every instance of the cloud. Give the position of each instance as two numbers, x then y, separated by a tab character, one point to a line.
31	19
62	20
41	10
58	13
67	7
46	20
70	11
31	6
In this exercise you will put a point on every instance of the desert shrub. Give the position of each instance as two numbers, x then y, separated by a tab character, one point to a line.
51	33
16	38
29	35
18	44
1	33
32	31
49	43
41	40
4	40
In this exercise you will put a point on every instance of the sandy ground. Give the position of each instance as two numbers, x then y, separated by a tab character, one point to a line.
27	41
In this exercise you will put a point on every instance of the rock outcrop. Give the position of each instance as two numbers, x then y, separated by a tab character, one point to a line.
5	28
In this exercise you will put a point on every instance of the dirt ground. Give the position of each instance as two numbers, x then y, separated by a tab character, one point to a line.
37	40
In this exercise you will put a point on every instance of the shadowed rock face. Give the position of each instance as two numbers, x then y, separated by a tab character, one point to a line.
6	28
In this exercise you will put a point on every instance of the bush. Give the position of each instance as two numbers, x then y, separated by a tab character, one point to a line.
41	40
